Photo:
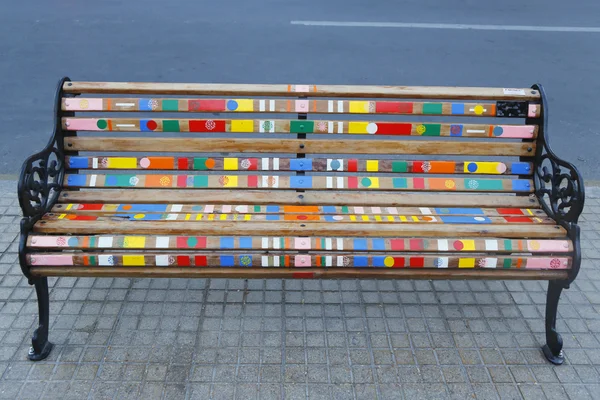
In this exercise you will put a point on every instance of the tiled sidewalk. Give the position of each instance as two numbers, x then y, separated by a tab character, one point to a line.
222	339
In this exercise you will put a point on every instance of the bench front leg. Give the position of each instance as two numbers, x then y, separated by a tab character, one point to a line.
553	347
40	346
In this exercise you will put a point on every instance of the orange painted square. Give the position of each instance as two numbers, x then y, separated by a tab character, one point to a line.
301	217
442	167
155	181
162	162
444	184
301	209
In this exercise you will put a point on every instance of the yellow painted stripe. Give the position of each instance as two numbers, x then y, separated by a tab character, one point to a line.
357	127
485	167
359	107
372	165
242	125
466	263
244	105
134	260
122	162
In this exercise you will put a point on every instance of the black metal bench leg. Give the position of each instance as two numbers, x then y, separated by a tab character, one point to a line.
40	346
553	347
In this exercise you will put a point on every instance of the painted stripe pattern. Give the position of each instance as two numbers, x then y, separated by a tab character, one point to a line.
483	109
300	243
276	209
300	164
300	126
296	260
449	219
299	182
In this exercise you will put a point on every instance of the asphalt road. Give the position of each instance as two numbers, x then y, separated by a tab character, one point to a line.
241	41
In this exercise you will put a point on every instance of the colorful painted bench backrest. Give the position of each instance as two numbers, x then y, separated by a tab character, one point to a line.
300	137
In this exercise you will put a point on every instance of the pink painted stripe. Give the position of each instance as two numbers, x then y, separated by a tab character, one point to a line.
82	124
302	261
51	259
302	243
49	241
301	106
532	112
83	104
301	88
547	263
556	246
522	132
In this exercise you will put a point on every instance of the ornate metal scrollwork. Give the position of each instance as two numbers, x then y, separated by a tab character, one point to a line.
558	186
41	179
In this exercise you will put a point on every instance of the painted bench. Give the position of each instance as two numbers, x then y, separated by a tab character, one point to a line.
237	181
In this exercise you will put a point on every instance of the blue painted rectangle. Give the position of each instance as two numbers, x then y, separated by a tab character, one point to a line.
329	209
520	168
226	242
458	108
301	164
143	207
378	244
361	261
465	220
330	218
360	244
272	217
456	130
111	180
78	162
379	261
458	211
521	185
300	182
272	209
245	243
76	180
144	125
227	261
145	105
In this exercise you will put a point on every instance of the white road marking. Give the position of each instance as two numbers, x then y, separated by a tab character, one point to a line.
531	28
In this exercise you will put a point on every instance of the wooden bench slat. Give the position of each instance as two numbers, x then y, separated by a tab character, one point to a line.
275	218
295	146
379	128
219	89
246	243
331	197
304	273
300	164
270	182
291	259
153	208
298	229
231	105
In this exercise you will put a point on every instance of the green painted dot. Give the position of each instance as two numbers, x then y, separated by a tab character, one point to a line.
101	124
192	242
366	182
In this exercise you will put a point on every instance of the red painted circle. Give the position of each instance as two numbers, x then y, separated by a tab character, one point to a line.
151	125
458	245
302	217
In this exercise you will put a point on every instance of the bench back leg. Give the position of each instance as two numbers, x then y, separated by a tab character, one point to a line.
553	347
40	346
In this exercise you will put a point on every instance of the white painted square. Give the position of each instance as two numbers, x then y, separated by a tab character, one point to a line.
276	164
105	241
330	106
162	242
340	106
340	261
491	245
275	261
340	127
442	262
265	164
171	217
162	260
340	182
95	162
328	261
328	244
330	127
491	262
105	260
425	211
265	261
442	245
265	243
340	244
329	180
276	243
176	207
93	180
261	105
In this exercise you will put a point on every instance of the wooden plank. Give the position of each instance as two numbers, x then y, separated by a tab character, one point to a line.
277	182
330	197
220	89
276	218
153	163
298	146
304	273
227	259
273	243
298	229
231	105
247	126
159	208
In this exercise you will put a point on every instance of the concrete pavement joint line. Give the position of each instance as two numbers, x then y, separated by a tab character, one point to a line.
450	26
